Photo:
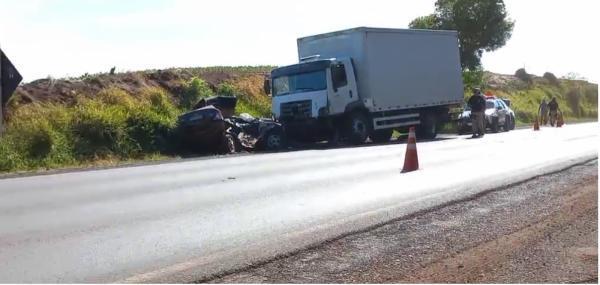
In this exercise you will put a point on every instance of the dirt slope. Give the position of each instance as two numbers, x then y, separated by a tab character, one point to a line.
172	80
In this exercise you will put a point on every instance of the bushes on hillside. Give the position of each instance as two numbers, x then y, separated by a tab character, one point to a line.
591	94
472	79
193	91
227	89
99	130
113	124
551	78
524	76
251	97
573	99
150	131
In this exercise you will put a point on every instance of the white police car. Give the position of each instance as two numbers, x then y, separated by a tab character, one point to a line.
498	115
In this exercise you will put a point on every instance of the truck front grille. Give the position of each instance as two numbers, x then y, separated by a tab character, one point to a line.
296	110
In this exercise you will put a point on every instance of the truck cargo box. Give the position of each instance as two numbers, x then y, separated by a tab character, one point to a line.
395	68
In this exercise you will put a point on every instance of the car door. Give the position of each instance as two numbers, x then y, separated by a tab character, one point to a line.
501	112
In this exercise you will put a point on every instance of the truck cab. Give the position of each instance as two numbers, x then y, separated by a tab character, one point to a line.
309	97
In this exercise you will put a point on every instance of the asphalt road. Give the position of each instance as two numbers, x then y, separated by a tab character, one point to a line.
185	221
544	230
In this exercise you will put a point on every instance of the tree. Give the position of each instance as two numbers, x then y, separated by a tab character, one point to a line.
551	78
522	74
482	25
573	76
428	22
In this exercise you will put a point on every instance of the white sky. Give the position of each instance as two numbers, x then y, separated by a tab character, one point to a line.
68	37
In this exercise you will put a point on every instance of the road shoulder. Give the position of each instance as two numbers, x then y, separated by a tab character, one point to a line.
543	230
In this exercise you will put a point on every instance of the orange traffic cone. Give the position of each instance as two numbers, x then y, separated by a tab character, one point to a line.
536	124
411	160
560	121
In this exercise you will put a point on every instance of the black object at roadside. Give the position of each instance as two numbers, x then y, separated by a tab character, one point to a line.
10	78
226	104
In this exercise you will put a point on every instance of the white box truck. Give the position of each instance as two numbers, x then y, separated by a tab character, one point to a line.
366	82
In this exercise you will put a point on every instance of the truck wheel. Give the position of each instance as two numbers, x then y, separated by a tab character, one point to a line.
274	140
382	136
359	128
494	125
428	128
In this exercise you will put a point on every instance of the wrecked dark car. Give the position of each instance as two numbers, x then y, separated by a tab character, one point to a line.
204	129
256	133
212	127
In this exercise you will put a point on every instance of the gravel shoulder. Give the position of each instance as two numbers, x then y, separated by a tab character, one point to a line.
544	230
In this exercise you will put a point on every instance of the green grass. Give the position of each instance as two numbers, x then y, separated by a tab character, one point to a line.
251	97
578	100
112	126
115	126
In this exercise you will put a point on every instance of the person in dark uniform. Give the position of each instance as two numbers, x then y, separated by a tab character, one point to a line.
477	105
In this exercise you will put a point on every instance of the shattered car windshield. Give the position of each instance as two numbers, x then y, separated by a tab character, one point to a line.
293	83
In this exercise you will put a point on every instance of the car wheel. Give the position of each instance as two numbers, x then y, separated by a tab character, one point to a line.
359	128
507	123
229	144
494	125
512	123
382	136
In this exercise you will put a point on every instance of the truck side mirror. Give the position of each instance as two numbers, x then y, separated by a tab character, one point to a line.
267	86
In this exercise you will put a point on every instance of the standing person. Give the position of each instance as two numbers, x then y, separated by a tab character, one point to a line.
543	112
554	109
477	104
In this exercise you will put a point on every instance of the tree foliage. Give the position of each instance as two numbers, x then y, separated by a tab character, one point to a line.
482	25
551	78
428	22
522	74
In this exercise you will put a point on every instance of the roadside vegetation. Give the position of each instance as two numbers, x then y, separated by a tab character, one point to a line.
578	99
107	119
118	122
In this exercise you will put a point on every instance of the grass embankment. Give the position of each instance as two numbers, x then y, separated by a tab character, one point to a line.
577	99
113	125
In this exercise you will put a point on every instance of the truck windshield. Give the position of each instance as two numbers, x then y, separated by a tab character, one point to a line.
301	82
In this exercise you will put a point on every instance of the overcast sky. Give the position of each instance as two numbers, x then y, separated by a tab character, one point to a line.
71	37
